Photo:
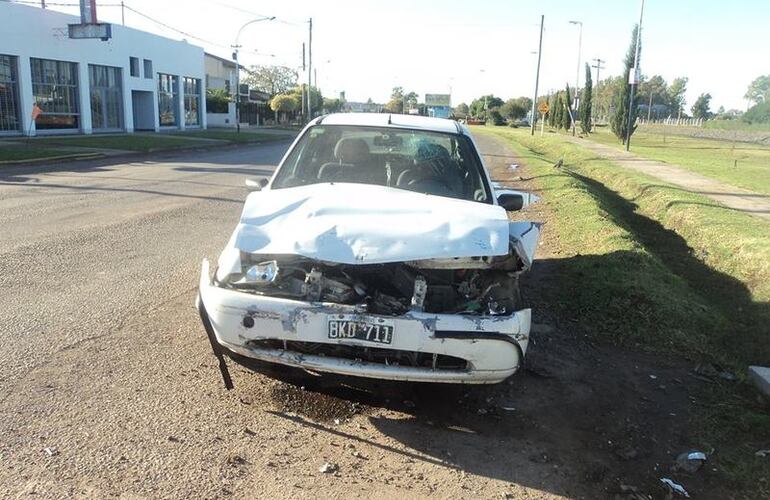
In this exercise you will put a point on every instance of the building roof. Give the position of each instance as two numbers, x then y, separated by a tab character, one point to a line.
391	120
225	61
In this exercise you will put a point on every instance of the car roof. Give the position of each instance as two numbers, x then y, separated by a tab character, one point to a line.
392	120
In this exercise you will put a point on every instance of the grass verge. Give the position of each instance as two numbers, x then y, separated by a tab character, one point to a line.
741	164
21	153
235	137
128	142
646	264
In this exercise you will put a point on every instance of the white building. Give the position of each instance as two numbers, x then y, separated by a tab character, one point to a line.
133	81
220	75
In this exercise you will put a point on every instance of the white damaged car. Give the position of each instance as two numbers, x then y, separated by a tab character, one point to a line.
380	248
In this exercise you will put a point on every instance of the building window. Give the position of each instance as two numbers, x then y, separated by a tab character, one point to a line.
168	103
134	66
106	97
55	90
192	100
10	120
147	68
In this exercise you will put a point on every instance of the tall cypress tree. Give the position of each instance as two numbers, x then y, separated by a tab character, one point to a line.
551	110
566	121
619	119
586	103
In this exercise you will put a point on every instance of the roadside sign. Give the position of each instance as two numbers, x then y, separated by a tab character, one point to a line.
543	107
634	75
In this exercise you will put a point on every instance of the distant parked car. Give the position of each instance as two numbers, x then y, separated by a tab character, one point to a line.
380	248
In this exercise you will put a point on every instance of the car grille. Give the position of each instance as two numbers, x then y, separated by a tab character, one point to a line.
379	355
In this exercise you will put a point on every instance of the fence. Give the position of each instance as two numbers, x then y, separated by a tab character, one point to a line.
676	122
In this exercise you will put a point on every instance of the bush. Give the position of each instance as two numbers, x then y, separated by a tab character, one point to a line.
495	117
759	113
217	101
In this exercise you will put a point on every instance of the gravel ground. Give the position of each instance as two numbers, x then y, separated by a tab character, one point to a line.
108	387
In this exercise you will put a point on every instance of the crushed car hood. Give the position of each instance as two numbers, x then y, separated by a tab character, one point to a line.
365	224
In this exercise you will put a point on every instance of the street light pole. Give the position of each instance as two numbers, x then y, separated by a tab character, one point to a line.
238	71
635	80
577	75
537	76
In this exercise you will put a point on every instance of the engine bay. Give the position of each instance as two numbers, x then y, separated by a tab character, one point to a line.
475	286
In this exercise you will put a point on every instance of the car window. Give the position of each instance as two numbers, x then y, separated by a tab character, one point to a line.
429	162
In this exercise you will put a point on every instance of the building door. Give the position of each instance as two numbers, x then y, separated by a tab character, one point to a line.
106	98
144	110
10	121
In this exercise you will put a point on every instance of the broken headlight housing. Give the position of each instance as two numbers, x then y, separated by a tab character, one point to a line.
262	273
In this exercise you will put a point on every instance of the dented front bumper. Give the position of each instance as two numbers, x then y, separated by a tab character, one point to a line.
492	346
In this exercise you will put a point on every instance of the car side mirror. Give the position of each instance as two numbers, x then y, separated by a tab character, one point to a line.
256	185
510	201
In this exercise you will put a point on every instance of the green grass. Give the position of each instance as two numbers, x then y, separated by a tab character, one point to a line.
641	263
234	137
656	266
710	157
128	142
19	153
737	125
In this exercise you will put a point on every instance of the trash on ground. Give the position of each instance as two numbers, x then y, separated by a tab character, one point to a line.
690	461
676	488
51	451
328	468
762	453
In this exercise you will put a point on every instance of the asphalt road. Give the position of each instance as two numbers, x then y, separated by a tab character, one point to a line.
108	387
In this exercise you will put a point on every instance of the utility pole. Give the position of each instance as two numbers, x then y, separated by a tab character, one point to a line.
122	13
537	76
310	69
42	4
598	67
302	87
577	73
635	81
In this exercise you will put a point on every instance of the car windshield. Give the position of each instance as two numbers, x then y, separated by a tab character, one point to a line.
416	160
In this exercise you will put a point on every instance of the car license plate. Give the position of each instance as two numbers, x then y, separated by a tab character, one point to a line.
376	330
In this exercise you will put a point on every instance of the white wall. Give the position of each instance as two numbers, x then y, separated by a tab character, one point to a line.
222	120
39	33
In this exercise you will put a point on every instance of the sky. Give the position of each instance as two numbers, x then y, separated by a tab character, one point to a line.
366	48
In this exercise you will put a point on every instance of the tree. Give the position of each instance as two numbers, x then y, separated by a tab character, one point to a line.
558	111
516	109
759	90
461	110
566	118
701	107
587	103
285	103
495	117
604	97
676	92
759	113
316	100
480	106
271	79
395	105
332	105
622	106
552	110
653	92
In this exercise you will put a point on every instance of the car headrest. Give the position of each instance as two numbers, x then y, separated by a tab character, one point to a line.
429	151
351	150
